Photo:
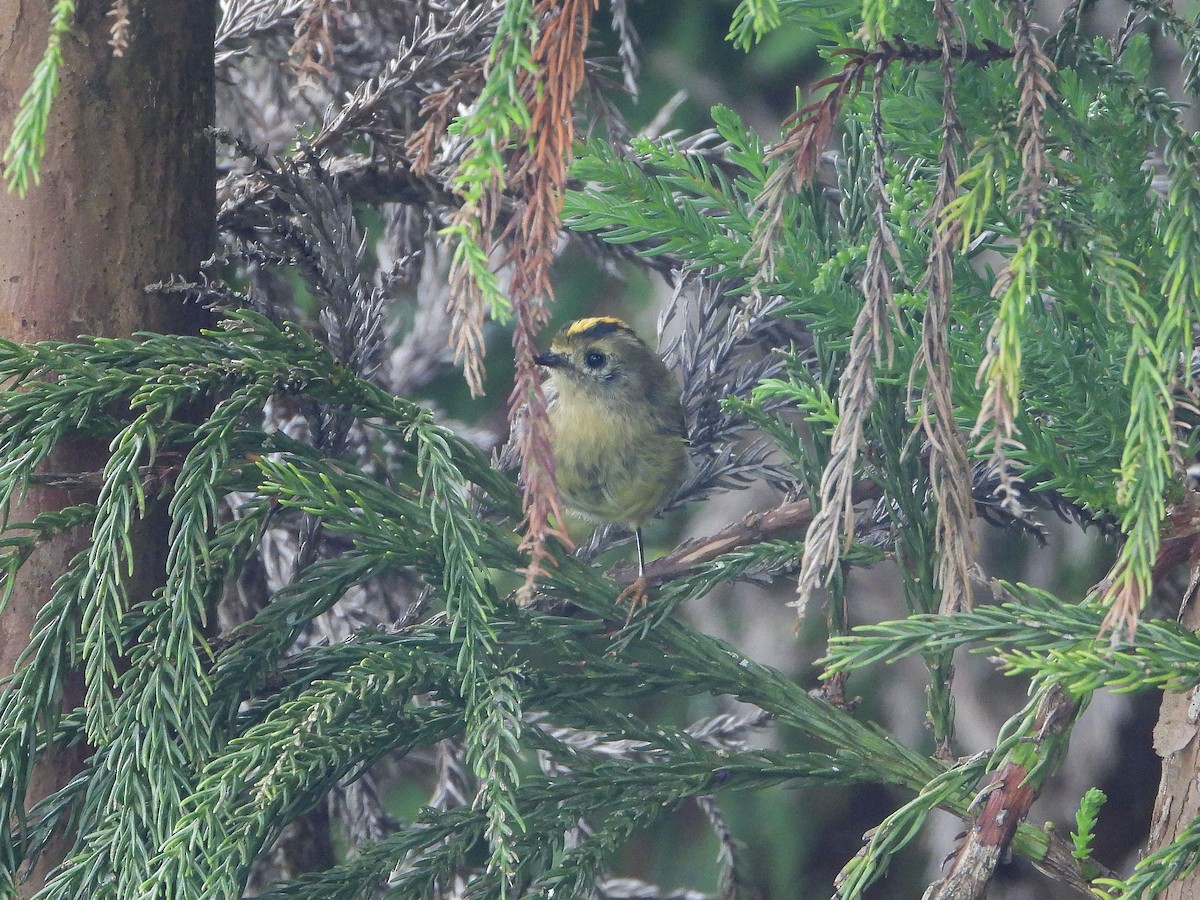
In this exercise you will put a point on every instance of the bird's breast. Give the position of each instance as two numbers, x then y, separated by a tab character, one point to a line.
613	466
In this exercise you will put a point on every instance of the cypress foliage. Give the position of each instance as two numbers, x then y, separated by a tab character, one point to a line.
986	310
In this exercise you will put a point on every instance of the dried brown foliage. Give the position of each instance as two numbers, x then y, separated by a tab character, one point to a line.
1033	68
468	306
536	179
810	128
949	470
312	53
539	179
437	109
1125	607
804	143
870	339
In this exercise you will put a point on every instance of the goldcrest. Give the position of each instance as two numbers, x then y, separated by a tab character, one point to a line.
618	432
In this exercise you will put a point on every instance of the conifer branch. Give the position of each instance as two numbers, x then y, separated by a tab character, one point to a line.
1016	287
870	339
949	472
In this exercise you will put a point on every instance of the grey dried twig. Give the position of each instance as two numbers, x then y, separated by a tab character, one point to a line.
243	18
380	108
627	46
713	361
729	732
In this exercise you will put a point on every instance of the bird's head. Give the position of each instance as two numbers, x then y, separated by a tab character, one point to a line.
600	355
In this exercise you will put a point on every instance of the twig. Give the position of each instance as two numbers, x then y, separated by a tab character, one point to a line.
152	478
1008	798
761	526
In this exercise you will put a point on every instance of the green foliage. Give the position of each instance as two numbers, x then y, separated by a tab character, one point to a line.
1156	871
1086	341
1085	822
27	145
242	740
207	745
489	130
751	21
1036	634
899	828
666	201
167	753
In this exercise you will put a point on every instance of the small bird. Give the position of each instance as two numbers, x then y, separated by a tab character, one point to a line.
618	432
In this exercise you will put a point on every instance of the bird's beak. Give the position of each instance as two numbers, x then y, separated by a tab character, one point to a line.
550	359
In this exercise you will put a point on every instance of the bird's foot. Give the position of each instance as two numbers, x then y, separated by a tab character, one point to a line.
636	595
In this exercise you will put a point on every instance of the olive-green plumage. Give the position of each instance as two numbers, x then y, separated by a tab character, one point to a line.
618	432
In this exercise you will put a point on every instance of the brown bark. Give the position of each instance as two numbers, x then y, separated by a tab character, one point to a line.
1178	800
1006	802
1177	734
126	199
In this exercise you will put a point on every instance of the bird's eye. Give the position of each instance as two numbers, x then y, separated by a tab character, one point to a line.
595	359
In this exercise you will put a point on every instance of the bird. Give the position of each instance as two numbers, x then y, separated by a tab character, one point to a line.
617	429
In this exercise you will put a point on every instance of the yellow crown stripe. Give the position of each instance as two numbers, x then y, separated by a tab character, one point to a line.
581	326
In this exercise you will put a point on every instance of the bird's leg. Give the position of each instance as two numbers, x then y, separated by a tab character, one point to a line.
637	593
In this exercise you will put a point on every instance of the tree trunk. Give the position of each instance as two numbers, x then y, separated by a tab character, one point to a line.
1177	742
126	199
1177	734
